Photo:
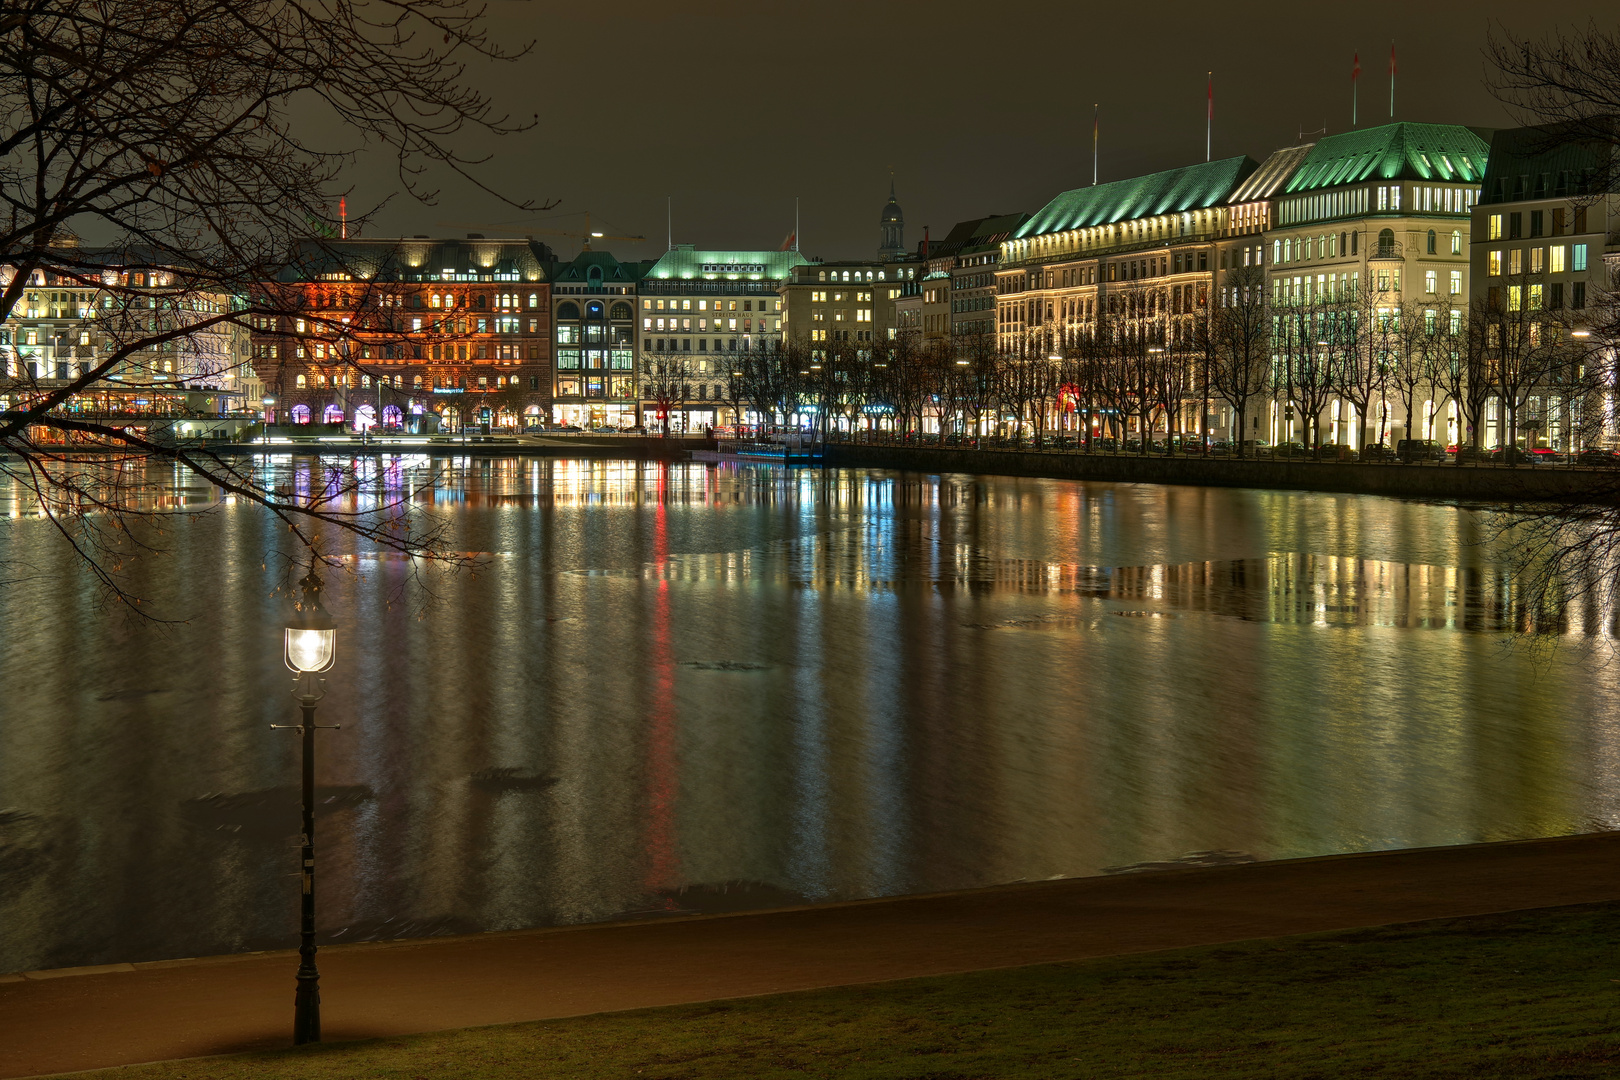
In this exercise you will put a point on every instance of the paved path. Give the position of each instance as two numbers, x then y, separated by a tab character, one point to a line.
60	1021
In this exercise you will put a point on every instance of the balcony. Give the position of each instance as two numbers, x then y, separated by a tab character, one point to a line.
1385	250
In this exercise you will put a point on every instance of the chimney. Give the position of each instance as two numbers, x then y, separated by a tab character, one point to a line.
925	241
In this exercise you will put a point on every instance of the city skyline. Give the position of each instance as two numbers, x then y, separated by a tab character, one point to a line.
704	151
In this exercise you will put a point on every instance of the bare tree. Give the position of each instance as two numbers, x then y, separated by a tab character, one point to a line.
181	137
666	381
1239	337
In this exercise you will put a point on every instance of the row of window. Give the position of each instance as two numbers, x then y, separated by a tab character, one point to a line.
650	304
1560	217
730	325
573	359
1538	296
658	345
1536	260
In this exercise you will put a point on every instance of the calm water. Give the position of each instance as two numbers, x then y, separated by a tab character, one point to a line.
696	688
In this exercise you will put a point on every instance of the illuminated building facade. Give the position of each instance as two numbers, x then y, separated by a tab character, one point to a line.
1545	248
408	333
844	304
1377	220
594	296
698	308
1136	252
68	321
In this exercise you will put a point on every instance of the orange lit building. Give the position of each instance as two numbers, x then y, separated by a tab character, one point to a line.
417	333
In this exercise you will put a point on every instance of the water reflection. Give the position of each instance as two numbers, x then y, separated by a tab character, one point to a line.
684	687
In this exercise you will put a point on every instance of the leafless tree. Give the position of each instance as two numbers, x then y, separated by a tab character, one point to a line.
1240	346
190	141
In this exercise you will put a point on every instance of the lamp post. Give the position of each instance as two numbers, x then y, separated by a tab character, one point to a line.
310	642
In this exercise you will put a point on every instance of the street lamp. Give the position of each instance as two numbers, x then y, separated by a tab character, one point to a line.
309	645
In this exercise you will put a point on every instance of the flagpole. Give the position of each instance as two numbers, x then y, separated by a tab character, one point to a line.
1355	85
795	223
1096	122
1209	124
1392	80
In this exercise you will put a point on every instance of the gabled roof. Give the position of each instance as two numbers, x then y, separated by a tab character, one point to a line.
612	270
1446	152
1272	174
1552	160
686	263
1192	187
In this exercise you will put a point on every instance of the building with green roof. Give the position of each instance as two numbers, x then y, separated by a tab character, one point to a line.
593	298
1152	237
699	306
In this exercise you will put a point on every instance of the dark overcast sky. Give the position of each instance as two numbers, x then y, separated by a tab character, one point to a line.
735	108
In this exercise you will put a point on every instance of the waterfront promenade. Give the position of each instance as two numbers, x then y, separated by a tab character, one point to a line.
66	1020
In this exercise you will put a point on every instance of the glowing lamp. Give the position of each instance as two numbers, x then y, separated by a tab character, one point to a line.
311	635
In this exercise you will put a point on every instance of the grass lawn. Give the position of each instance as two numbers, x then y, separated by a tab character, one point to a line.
1524	996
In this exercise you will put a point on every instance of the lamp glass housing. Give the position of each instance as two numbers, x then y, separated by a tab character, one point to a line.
310	649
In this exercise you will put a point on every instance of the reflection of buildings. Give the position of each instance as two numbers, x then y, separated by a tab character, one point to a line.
697	308
378	330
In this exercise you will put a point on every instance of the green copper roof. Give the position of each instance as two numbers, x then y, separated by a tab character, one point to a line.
1193	187
686	263
1446	152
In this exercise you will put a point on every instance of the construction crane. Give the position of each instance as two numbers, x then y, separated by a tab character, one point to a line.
584	237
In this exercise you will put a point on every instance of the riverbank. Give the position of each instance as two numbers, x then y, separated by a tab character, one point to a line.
1529	995
1486	483
62	1020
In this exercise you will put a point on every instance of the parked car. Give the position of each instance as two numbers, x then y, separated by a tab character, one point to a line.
1256	448
1413	450
1335	452
1606	459
1290	450
1511	455
1377	452
1471	454
1545	455
569	428
635	429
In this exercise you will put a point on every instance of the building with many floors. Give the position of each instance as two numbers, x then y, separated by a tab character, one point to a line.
408	332
594	297
699	307
93	303
1545	240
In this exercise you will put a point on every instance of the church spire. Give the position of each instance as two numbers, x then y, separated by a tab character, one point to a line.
892	227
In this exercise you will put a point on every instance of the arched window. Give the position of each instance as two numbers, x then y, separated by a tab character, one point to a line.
593	277
621	311
482	301
1386	243
593	310
568	310
1355	242
823	275
301	382
534	299
1431	242
1456	242
300	414
434	300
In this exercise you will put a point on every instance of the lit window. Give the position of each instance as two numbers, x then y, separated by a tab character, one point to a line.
1577	260
1555	259
1493	264
1456	283
1516	262
1431	281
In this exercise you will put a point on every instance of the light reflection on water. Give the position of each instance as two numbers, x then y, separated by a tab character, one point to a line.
688	687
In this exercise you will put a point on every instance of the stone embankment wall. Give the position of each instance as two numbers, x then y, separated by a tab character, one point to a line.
1489	483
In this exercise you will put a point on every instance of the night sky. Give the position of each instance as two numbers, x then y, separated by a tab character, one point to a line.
977	108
